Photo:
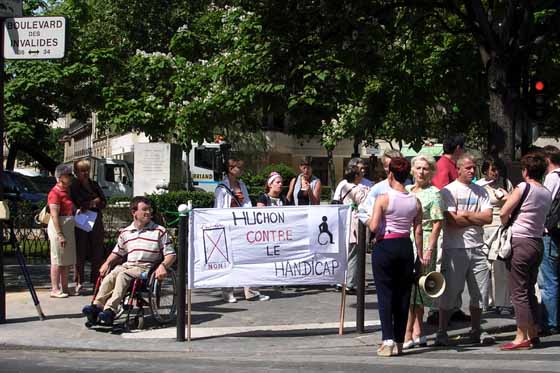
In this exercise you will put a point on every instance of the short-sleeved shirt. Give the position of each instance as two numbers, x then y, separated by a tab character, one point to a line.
552	181
432	206
462	197
446	172
148	245
61	197
268	200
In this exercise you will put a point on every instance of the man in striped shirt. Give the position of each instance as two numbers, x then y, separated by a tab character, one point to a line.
144	244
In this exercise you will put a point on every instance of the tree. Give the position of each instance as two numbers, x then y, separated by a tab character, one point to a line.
511	37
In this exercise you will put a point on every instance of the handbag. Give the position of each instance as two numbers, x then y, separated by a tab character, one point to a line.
340	201
499	244
44	216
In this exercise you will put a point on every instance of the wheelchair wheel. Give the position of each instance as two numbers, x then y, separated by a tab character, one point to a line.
323	238
124	307
162	297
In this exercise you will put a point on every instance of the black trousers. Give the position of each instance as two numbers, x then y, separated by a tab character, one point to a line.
393	264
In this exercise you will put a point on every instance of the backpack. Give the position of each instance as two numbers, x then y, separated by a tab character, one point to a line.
552	222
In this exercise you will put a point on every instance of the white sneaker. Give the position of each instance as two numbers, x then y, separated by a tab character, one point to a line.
421	341
486	339
231	299
260	298
408	345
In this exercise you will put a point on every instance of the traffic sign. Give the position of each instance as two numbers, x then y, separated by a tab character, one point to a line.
11	8
34	38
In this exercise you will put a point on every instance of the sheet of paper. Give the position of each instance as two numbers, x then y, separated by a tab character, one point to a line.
85	220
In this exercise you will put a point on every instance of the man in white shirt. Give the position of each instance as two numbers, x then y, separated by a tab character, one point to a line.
548	278
467	209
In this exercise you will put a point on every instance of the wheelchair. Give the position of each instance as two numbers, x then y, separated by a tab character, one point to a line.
146	293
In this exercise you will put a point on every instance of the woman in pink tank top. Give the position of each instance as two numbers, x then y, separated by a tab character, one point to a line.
526	248
393	257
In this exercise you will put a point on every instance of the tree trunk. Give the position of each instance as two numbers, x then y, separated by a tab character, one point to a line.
40	156
501	108
357	143
188	177
332	178
11	159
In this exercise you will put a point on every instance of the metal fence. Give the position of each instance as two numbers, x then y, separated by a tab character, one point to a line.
32	237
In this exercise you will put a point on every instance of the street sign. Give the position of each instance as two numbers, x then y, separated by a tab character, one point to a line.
11	8
34	38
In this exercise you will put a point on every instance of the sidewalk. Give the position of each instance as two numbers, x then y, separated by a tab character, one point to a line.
294	321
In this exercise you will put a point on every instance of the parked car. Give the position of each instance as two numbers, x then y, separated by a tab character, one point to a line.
18	187
43	183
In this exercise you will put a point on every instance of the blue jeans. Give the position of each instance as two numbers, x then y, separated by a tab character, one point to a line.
548	283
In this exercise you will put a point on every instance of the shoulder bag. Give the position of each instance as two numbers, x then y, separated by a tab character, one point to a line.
44	215
499	244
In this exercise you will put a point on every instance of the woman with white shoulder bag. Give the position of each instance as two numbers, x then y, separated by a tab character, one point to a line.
526	248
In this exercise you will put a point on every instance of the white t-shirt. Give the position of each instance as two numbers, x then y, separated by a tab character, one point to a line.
461	197
552	181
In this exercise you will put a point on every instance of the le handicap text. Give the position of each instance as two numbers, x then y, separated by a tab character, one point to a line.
276	240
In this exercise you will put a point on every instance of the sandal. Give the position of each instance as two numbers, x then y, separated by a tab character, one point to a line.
58	294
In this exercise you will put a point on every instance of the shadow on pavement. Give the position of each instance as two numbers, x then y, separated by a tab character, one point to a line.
48	317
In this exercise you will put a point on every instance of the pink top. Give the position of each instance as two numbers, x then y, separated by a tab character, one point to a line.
60	197
530	221
400	213
446	172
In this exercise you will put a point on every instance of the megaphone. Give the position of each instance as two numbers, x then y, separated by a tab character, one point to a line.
432	283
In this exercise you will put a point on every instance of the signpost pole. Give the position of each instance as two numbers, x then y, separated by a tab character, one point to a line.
2	285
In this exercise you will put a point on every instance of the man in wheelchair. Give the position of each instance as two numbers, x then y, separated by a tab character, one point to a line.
144	244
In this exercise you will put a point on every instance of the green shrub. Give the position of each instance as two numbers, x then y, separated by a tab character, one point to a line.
325	193
115	199
258	180
170	201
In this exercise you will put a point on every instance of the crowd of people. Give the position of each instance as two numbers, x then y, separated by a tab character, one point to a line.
425	216
438	216
467	212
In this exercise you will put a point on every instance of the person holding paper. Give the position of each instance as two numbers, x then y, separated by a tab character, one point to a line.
88	196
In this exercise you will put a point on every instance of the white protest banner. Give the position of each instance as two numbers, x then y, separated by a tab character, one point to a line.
293	245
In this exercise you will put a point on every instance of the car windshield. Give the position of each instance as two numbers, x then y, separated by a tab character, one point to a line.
26	184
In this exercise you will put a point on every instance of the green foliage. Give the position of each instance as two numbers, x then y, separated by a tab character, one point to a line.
169	202
326	193
182	70
259	180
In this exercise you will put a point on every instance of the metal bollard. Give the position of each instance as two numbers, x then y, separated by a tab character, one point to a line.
182	269
361	284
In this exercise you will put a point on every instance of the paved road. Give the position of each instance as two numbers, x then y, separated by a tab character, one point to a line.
295	331
295	360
